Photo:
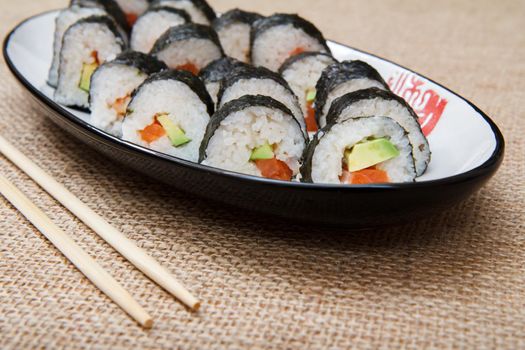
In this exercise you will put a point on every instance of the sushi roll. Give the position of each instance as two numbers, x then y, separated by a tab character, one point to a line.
234	28
215	72
112	85
341	78
189	47
64	20
254	135
133	9
260	81
302	72
359	151
152	24
86	45
169	113
375	101
111	7
199	10
276	38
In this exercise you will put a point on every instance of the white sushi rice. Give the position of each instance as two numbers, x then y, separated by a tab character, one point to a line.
182	105
135	7
265	87
63	21
272	47
327	161
150	26
399	113
235	40
109	83
302	75
197	16
241	132
78	44
343	89
213	89
199	52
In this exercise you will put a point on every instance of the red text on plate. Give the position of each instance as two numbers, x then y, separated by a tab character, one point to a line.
427	103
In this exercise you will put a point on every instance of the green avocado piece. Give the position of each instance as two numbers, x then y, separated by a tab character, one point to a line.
311	95
263	152
85	76
176	135
369	153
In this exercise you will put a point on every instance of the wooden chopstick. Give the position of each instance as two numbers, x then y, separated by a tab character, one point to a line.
137	256
89	267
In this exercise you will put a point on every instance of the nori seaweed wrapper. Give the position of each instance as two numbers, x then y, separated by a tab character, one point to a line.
219	69
194	83
179	12
306	167
108	22
111	7
299	57
185	32
343	102
235	16
251	72
143	62
338	73
202	5
263	24
235	106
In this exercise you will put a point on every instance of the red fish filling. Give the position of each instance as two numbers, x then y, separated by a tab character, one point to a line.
94	55
131	18
311	123
297	51
274	169
152	132
120	105
367	176
268	164
189	67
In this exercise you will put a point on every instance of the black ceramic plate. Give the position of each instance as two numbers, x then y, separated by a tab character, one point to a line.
467	148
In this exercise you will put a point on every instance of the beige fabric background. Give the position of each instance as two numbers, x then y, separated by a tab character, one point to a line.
456	280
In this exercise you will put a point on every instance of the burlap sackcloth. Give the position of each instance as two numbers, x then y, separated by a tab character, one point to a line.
456	280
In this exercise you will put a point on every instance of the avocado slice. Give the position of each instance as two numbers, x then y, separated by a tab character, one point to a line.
176	135
311	95
369	153
263	152
85	76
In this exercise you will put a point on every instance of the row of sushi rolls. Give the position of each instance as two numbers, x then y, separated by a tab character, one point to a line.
256	95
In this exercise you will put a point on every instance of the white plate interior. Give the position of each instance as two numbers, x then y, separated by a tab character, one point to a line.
460	138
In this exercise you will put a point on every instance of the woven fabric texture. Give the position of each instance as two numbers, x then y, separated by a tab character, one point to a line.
455	280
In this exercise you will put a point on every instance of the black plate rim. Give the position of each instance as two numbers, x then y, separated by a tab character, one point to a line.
489	167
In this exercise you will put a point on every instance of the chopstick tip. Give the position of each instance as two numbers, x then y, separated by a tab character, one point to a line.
196	306
148	324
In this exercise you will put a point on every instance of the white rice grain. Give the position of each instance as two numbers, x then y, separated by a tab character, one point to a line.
399	113
231	146
235	40
272	47
343	89
182	105
64	20
199	52
265	87
150	26
80	41
108	84
327	161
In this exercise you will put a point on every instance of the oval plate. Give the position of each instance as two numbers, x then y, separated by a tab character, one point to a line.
467	148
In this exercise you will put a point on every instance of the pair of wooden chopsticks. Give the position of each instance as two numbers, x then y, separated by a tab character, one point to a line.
88	266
